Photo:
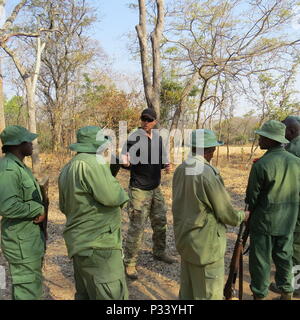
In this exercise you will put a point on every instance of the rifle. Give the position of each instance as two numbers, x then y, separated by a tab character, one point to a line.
44	186
236	264
115	165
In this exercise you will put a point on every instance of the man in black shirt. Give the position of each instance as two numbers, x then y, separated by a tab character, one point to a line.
145	156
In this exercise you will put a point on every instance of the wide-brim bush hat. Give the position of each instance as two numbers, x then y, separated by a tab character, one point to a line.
274	130
15	135
204	138
89	139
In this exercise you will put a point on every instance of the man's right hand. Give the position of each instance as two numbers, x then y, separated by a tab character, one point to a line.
39	219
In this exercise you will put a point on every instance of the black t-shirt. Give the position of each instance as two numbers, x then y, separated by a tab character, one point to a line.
147	158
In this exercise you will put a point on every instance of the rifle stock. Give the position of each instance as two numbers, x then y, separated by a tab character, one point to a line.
236	264
115	165
44	186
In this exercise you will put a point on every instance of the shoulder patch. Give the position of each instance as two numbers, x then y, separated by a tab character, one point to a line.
255	160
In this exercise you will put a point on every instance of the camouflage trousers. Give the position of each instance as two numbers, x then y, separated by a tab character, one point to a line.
144	203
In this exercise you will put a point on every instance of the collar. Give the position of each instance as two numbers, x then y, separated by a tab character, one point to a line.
202	159
275	149
146	134
15	159
198	157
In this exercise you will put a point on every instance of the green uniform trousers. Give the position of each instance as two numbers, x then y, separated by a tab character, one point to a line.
144	204
264	248
26	280
99	275
201	282
296	247
296	253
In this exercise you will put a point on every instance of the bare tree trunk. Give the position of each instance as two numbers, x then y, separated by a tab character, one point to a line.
2	117
228	139
219	137
32	127
152	85
29	76
202	100
57	131
30	84
180	108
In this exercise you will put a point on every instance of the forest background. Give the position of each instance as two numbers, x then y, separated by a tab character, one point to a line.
227	65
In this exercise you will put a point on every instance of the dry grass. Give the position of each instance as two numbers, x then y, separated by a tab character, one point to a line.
157	280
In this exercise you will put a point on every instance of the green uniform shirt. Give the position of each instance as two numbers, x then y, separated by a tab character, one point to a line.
20	203
90	197
273	193
294	147
201	208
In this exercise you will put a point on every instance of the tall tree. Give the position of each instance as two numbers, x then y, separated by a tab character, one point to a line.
225	37
273	95
152	82
65	57
29	74
2	118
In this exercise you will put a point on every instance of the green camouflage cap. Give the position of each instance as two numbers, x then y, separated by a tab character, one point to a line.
89	139
15	135
274	130
204	138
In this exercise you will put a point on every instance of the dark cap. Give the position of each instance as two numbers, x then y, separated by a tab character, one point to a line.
150	113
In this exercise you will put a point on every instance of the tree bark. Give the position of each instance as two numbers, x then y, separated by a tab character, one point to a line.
2	116
30	90
152	85
30	86
202	100
32	127
219	137
181	105
29	76
56	134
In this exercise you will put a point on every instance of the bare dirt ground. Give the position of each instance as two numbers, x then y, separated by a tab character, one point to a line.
157	280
